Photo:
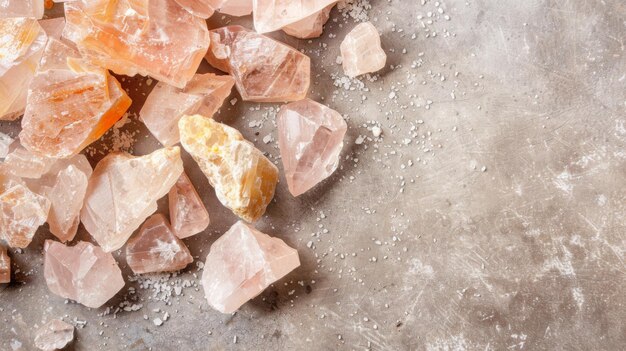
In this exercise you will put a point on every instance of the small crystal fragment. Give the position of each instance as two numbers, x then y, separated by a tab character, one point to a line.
361	51
241	264
5	265
235	7
204	94
21	8
123	191
21	212
271	15
156	249
244	179
25	164
5	144
264	69
187	212
311	26
54	335
310	137
83	273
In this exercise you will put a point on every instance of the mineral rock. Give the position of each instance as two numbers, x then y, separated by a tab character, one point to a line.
264	69
236	7
244	179
187	212
21	212
53	27
200	8
69	106
123	191
21	8
311	26
241	264
361	51
55	335
310	137
5	143
83	273
271	15
204	94
25	164
22	42
157	37
156	249
5	266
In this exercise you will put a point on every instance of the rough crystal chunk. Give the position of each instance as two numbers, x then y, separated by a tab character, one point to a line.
187	212
204	94
22	42
21	212
235	7
264	69
310	137
83	273
271	15
123	191
241	264
156	249
25	164
157	37
311	26
21	8
361	51
5	144
5	266
200	8
244	179
54	335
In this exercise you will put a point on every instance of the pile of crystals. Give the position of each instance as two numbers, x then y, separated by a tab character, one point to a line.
56	75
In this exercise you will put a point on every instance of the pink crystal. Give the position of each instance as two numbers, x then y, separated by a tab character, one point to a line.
200	8
123	191
204	94
53	27
25	164
264	69
310	137
187	212
54	335
271	15
21	212
156	249
5	144
21	8
236	7
83	273
361	51
311	26
5	265
241	264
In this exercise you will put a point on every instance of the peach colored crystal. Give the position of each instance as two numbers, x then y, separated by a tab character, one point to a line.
157	37
244	179
310	137
123	191
70	104
187	212
53	27
235	7
204	94
54	335
241	264
24	164
264	69
311	26
83	273
21	212
200	8
21	8
5	265
361	51
156	249
22	42
271	15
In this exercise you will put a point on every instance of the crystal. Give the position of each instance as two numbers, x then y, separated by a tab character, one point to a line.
156	249
21	8
241	264
123	191
70	104
83	273
5	266
310	138
5	143
21	212
157	37
22	42
264	69
204	94
311	26
25	164
271	15
53	27
187	212
200	8
235	7
361	51
244	179
54	335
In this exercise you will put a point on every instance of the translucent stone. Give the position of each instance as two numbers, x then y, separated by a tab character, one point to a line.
21	8
235	7
53	27
200	8
157	37
22	212
54	335
187	212
204	94
25	164
264	69
123	191
361	51
244	179
83	273
310	137
241	264
22	42
271	15
311	26
5	144
156	249
5	266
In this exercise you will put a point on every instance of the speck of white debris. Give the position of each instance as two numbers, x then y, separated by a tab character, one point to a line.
233	101
376	131
157	321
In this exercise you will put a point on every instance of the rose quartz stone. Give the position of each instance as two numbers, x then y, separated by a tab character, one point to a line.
123	191
310	138
235	7
204	94
5	266
25	164
187	212
21	8
22	212
311	26
53	27
241	264
200	8
83	273
271	15
264	69
54	335
156	249
361	51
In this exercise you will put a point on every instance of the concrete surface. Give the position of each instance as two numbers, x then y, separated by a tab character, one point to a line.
506	231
